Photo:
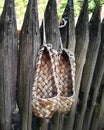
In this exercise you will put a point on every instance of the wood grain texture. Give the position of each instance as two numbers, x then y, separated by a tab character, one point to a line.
51	25
96	81
28	48
82	40
93	48
8	64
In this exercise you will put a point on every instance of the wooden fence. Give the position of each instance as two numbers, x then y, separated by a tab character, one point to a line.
17	61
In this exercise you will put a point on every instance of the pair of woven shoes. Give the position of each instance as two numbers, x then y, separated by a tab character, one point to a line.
53	88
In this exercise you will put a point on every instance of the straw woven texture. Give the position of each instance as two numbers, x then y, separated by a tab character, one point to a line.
53	88
65	76
44	88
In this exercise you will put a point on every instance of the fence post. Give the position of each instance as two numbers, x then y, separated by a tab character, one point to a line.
94	43
98	74
51	25
68	31
8	64
101	115
98	111
28	48
82	40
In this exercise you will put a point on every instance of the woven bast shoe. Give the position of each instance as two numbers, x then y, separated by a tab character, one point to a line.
44	94
65	71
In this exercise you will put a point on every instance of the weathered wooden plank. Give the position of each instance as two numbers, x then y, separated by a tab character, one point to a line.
98	74
8	64
82	40
68	32
71	29
94	42
67	28
29	46
101	121
51	25
54	122
37	123
101	124
98	111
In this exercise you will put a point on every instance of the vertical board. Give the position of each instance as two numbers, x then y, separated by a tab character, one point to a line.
82	40
8	64
51	25
96	81
92	53
28	48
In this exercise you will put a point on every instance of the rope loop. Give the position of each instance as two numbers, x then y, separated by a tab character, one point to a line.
64	23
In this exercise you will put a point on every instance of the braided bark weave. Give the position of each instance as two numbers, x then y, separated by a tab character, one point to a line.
65	70
44	94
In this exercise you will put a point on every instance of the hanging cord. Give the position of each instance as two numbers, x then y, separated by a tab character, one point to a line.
64	23
62	46
44	33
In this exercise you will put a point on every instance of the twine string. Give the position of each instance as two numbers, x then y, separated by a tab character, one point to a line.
44	32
